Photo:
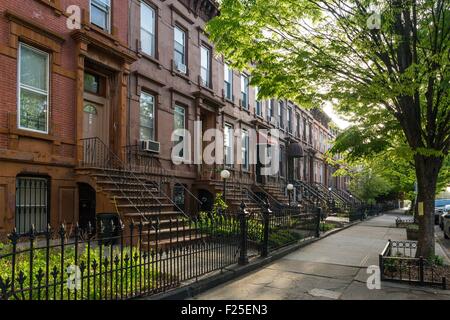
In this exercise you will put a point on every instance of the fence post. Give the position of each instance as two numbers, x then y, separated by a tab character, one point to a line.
243	258
319	216
421	276
381	265
265	244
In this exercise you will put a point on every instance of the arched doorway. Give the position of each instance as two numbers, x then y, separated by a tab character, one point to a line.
87	205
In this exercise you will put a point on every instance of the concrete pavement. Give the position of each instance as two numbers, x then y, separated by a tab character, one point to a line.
332	268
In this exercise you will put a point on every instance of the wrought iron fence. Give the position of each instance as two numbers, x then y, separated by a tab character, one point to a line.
398	262
125	262
140	259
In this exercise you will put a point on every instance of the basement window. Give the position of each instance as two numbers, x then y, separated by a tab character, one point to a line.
32	204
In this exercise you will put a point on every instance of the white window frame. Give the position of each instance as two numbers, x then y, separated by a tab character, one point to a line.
154	116
108	22
228	73
184	157
20	86
184	60
258	103
230	130
153	44
245	90
206	82
245	150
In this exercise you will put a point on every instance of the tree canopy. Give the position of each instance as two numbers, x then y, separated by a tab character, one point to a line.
385	64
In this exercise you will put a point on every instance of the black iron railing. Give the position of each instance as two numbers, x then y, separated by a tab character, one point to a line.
140	259
398	262
147	163
98	155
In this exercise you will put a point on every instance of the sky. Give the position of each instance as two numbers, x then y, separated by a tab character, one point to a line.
341	123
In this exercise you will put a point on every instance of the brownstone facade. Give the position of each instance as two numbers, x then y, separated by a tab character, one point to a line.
91	83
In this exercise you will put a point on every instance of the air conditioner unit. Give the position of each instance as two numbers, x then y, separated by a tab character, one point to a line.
181	67
150	146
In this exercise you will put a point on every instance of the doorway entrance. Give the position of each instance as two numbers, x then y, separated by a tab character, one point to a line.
87	206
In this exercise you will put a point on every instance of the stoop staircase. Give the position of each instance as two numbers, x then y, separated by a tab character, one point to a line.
236	193
136	197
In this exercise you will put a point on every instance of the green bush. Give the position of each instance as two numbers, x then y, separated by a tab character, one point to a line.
129	279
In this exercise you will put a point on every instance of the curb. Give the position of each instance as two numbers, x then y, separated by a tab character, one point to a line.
236	271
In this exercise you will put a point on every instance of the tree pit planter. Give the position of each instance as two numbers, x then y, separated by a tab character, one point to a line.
398	263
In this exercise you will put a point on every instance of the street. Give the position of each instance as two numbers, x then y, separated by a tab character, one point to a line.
332	268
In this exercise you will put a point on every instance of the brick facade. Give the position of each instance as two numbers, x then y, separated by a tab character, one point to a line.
117	55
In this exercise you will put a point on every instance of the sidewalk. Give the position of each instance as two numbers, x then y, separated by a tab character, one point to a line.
332	268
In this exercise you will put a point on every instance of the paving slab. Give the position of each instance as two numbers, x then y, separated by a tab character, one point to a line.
333	268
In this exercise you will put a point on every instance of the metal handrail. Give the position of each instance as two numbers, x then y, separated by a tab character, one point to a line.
133	176
165	173
269	195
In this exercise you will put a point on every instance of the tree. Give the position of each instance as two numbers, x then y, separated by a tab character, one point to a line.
390	70
367	185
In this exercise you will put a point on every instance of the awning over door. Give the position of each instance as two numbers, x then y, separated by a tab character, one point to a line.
295	150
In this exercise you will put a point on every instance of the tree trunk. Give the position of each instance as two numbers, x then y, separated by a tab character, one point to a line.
427	171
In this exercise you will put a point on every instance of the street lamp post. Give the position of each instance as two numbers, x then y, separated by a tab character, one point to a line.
225	174
289	188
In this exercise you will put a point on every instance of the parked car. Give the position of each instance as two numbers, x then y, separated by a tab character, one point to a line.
439	206
447	225
441	217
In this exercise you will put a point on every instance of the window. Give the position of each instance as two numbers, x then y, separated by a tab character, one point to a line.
180	49
205	72
281	114
32	205
270	110
33	89
228	145
299	125
91	83
179	196
305	129
179	122
244	91
289	120
281	161
147	117
245	150
228	83
148	27
258	103
101	14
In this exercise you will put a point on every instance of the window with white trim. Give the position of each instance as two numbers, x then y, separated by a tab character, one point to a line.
258	103
179	55
228	81
148	29
245	143
101	14
179	122
244	91
147	117
205	66
228	144
33	95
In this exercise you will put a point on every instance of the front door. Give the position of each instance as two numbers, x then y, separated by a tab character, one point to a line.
94	124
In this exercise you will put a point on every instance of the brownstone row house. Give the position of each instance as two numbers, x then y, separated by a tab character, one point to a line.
87	115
